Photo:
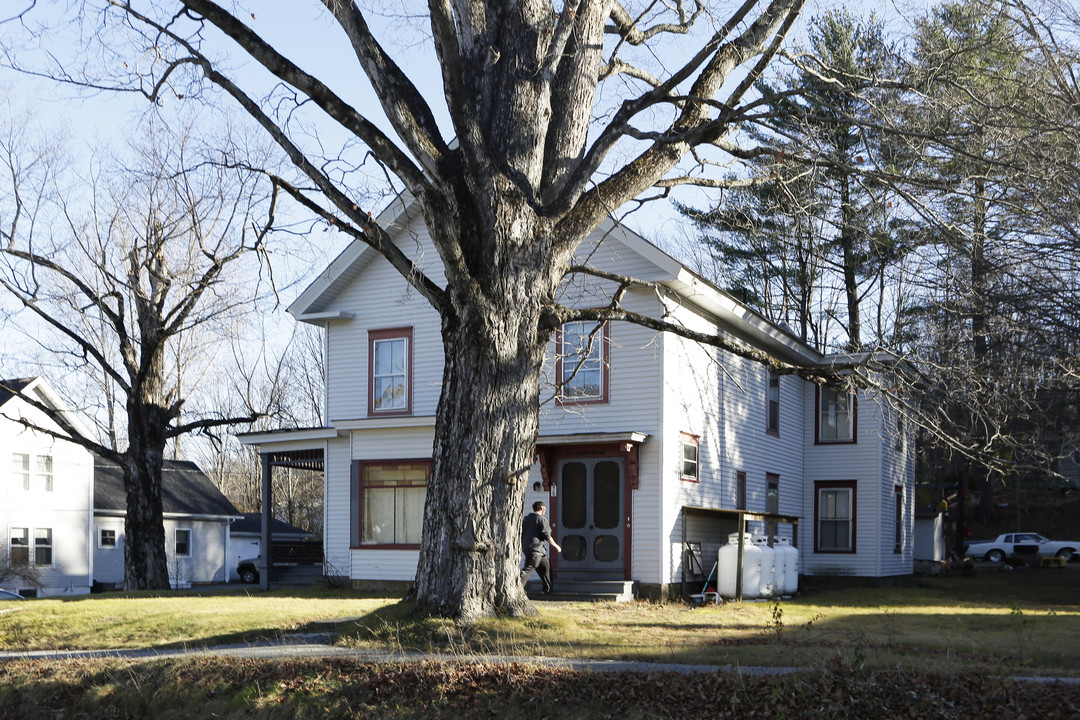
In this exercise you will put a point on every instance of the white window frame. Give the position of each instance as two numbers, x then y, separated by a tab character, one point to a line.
44	472
690	467
43	543
831	415
101	538
176	541
20	463
19	539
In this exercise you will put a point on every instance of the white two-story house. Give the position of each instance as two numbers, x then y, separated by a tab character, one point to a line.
647	440
46	497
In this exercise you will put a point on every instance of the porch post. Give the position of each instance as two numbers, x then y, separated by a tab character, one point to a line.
265	562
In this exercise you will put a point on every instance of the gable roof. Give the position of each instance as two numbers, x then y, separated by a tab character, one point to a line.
745	322
185	490
37	389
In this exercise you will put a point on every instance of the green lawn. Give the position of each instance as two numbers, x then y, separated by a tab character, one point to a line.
1024	622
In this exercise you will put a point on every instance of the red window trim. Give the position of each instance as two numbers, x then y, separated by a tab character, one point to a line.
605	360
686	438
390	334
817	421
851	485
359	466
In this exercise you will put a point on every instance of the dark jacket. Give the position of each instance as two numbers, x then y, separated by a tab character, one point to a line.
535	532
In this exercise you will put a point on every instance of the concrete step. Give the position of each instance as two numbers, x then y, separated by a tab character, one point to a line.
599	590
296	575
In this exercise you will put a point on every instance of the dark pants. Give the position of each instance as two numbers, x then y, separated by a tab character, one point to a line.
538	562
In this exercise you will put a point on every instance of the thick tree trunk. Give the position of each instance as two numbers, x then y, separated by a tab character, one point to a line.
145	562
484	441
495	329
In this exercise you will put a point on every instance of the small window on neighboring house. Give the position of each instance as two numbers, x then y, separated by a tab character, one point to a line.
43	546
21	467
391	500
20	546
45	472
183	543
106	538
772	500
390	371
583	362
836	416
773	420
689	457
898	520
834	516
740	490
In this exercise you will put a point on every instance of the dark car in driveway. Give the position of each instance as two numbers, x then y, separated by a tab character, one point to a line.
248	570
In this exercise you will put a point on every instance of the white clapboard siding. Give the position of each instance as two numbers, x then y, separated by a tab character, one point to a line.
66	510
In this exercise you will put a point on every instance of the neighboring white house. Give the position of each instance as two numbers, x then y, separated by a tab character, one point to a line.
46	495
197	520
62	508
651	441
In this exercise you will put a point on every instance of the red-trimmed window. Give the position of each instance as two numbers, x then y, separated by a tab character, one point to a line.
836	416
772	419
392	496
689	464
898	519
834	516
390	371
582	366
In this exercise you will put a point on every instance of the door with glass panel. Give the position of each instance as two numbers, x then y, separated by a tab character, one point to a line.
591	516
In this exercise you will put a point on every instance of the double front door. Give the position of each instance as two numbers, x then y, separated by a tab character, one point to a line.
592	516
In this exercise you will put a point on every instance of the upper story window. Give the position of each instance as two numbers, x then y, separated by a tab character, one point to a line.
834	517
898	519
392	496
835	416
772	420
45	472
740	490
583	362
183	542
21	469
390	371
689	457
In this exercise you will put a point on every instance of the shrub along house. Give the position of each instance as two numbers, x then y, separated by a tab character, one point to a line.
648	440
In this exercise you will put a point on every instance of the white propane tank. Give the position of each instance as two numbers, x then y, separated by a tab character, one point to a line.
791	571
728	567
767	576
780	568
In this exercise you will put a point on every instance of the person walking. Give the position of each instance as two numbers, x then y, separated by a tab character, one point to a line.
535	538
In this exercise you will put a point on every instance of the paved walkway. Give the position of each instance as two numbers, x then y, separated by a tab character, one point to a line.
320	646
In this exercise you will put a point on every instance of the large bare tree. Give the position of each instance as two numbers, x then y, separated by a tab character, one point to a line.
132	281
560	114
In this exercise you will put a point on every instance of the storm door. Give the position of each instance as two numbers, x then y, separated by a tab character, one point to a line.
591	516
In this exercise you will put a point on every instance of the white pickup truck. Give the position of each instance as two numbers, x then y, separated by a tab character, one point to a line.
1006	545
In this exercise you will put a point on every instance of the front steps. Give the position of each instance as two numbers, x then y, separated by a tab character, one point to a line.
584	590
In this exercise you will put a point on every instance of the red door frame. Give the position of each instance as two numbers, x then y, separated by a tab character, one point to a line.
549	457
